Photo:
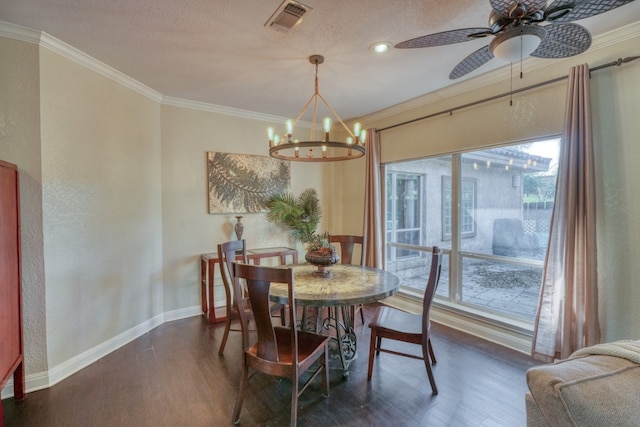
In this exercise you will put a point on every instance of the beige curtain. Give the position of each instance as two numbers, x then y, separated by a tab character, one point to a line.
373	242
567	317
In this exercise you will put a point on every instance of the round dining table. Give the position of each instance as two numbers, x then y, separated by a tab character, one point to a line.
346	286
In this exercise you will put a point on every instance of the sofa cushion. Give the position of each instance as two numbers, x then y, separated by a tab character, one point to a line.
593	390
535	418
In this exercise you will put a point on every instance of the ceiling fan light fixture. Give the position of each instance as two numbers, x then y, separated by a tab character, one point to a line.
517	43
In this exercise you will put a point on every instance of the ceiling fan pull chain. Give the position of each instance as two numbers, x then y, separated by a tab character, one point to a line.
511	84
521	42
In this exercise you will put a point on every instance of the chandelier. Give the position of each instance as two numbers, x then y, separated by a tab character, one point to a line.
315	150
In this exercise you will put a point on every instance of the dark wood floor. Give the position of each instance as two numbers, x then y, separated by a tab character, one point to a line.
173	376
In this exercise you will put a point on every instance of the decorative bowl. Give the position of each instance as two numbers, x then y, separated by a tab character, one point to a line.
321	259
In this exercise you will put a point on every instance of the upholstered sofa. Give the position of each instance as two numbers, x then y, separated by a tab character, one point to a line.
596	386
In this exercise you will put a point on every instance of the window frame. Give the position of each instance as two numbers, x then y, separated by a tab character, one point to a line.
452	298
392	244
446	179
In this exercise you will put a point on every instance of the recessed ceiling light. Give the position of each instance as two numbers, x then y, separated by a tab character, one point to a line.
380	47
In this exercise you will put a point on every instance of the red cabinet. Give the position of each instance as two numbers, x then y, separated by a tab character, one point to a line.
11	346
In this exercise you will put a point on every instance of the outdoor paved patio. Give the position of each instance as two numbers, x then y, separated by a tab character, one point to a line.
510	290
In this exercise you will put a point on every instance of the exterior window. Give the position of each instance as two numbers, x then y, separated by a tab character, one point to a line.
490	211
467	205
404	212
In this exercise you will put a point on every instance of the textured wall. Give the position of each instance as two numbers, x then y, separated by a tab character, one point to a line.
102	207
107	193
188	229
20	144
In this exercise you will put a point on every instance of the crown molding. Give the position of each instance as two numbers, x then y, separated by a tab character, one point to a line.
501	74
18	32
616	36
229	111
55	45
219	109
69	52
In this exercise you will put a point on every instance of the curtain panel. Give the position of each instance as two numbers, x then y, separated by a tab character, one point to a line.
567	317
373	239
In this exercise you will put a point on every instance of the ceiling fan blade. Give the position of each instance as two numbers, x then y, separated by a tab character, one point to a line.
471	62
504	7
581	9
445	38
563	40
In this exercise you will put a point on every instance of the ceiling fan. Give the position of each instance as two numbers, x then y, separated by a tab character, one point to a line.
517	33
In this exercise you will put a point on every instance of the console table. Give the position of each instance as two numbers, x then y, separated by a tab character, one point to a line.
208	264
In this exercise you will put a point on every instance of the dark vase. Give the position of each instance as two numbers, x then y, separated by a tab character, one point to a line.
239	228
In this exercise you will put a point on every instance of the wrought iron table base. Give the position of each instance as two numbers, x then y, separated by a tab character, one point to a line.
339	319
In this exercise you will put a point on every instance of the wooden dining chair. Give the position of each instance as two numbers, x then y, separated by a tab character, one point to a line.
347	245
228	252
280	351
388	322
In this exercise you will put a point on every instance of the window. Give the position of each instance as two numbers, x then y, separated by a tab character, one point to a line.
468	208
490	211
404	210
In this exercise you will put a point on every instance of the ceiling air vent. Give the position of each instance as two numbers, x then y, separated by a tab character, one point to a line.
288	14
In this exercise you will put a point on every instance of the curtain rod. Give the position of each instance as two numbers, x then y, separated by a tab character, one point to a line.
619	62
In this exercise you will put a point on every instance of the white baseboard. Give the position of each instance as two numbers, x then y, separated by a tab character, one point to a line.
33	382
512	339
42	380
182	313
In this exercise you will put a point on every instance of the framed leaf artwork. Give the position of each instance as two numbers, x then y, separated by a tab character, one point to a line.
242	183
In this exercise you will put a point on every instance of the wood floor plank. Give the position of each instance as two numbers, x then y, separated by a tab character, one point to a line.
173	376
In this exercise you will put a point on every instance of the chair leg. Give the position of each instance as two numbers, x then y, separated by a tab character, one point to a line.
427	364
432	354
354	309
378	344
432	380
244	381
294	401
372	348
225	335
325	374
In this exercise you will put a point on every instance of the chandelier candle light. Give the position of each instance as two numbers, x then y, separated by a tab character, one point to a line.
288	147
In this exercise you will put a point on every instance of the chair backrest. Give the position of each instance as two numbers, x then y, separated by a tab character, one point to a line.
258	280
228	252
347	244
432	285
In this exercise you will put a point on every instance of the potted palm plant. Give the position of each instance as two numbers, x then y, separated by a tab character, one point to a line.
301	215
